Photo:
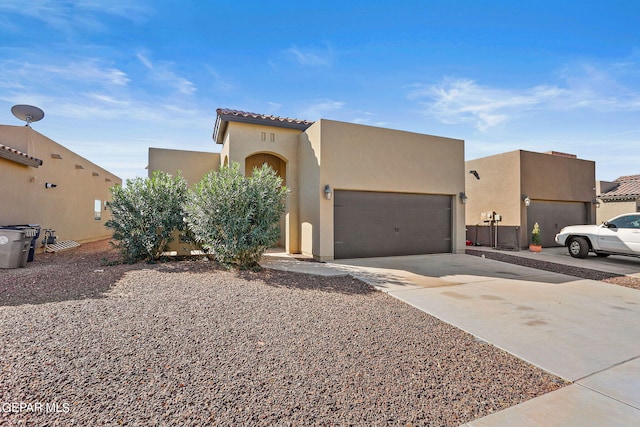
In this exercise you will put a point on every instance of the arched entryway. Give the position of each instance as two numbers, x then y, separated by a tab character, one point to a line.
279	165
258	159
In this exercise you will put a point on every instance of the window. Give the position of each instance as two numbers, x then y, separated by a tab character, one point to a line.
627	221
272	137
97	209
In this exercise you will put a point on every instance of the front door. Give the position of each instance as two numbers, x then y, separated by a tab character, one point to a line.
280	167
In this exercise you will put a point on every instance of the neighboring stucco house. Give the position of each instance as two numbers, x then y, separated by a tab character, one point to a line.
523	187
617	197
355	190
192	165
45	183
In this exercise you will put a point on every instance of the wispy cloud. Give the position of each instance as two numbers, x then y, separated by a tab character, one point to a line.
308	59
310	56
323	108
601	87
77	14
464	101
368	118
89	88
82	71
218	82
91	71
107	99
144	60
162	73
598	88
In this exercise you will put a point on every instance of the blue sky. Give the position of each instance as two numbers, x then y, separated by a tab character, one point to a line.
117	77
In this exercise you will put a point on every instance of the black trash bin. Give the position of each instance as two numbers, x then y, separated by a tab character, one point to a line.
31	230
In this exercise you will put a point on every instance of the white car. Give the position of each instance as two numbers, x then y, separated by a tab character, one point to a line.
620	236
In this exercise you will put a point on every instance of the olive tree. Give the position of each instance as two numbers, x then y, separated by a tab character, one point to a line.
234	217
145	213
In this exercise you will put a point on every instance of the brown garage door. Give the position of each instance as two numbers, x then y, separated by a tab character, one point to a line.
370	224
552	216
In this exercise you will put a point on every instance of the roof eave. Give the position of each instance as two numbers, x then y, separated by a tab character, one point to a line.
223	118
619	198
219	130
261	121
20	158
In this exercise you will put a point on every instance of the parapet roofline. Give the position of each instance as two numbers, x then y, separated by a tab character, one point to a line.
224	116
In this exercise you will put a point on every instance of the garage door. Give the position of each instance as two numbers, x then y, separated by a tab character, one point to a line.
552	216
370	224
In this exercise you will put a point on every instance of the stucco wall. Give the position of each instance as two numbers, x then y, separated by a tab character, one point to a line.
310	193
497	190
550	177
193	165
243	140
608	210
505	178
68	208
366	158
349	157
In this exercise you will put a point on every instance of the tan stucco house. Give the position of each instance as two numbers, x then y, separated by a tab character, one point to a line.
617	197
45	183
522	187
355	190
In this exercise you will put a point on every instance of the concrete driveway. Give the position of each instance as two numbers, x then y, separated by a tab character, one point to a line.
582	330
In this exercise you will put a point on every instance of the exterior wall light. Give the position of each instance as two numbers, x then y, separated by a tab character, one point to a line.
526	200
327	192
596	203
50	185
463	197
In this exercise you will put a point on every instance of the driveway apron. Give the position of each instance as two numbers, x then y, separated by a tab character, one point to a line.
584	331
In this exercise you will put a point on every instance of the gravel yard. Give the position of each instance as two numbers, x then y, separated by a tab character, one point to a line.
188	343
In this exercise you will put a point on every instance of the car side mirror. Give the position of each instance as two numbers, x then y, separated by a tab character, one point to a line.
609	225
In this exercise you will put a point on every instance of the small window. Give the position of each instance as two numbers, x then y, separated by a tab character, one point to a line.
263	136
97	209
627	221
272	137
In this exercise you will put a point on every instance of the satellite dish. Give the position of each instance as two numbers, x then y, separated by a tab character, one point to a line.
27	113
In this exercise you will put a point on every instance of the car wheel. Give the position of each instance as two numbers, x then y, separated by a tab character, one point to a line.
578	247
602	254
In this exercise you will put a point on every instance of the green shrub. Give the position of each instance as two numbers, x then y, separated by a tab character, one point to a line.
535	234
145	212
236	218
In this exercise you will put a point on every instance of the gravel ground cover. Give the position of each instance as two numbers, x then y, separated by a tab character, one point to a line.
189	343
585	273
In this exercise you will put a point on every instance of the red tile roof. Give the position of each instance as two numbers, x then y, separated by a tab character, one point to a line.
225	115
628	188
18	156
268	118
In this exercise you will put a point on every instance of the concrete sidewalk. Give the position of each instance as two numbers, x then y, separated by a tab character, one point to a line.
584	331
